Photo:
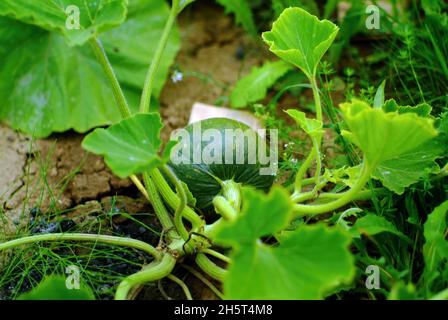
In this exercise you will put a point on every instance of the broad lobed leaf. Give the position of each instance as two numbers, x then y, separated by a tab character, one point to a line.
301	39
59	88
307	263
383	136
54	15
130	146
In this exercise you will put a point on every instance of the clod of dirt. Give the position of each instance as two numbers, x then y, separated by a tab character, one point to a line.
84	212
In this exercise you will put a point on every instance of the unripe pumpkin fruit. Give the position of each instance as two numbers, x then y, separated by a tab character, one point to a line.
206	180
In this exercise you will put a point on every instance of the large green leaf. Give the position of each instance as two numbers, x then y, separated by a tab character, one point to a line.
384	136
46	86
55	288
307	264
254	86
243	14
130	146
53	15
435	249
301	39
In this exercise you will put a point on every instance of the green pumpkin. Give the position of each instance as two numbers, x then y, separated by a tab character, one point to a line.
206	180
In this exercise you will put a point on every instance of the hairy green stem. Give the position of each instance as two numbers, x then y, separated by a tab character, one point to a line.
362	195
316	146
317	101
210	229
217	255
159	207
118	241
183	202
224	208
173	200
153	272
296	198
209	267
307	181
346	197
302	171
145	101
140	186
315	153
101	56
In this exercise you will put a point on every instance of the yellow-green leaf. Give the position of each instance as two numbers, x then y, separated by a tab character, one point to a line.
382	136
